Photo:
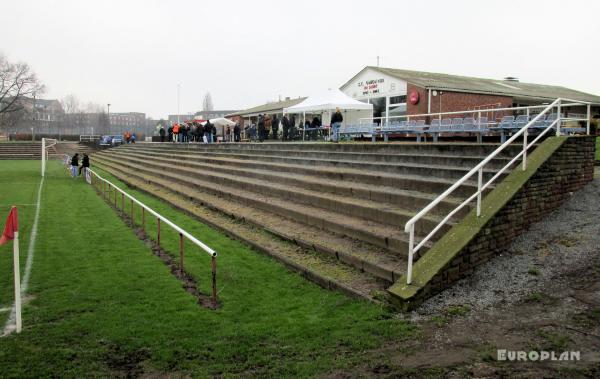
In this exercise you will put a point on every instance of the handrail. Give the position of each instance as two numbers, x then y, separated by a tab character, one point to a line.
410	224
89	174
479	111
193	239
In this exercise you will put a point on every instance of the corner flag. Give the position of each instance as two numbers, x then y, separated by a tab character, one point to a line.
11	232
11	226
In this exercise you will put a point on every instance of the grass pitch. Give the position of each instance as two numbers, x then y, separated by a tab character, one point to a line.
101	304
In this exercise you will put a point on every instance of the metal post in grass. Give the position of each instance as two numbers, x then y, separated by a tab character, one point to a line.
158	231
115	193
122	201
214	280
131	211
144	219
181	254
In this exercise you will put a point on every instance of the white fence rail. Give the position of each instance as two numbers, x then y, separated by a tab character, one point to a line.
410	225
89	138
106	188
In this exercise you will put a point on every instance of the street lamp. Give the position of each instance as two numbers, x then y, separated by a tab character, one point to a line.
108	106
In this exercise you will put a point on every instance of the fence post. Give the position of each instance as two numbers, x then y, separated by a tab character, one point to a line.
132	217
144	219
558	118
411	241
181	254
525	148
589	115
122	201
214	281
158	231
115	193
479	185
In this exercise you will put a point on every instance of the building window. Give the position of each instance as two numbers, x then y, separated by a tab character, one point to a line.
398	99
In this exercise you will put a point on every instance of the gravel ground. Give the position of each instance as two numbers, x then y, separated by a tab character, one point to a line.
569	238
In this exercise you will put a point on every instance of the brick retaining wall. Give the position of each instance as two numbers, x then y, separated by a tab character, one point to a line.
568	169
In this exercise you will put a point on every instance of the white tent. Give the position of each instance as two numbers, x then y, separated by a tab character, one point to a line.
326	102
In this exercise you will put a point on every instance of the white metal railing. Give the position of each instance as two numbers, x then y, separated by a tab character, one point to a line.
106	188
89	137
479	112
410	225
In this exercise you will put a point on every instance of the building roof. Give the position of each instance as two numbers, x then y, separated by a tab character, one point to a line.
515	89
276	106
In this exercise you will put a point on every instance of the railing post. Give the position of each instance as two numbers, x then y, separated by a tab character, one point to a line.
122	201
479	185
131	211
158	231
144	219
558	118
43	155
214	281
525	149
181	254
115	193
411	242
589	115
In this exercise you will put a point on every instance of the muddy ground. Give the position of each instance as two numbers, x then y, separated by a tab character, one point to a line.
542	294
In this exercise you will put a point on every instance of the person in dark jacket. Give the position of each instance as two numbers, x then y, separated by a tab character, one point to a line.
74	165
315	125
170	130
161	133
184	132
214	133
199	132
268	125
208	131
285	125
336	122
85	163
237	133
275	126
261	127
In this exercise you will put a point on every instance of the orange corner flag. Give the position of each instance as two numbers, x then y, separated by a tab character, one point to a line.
12	226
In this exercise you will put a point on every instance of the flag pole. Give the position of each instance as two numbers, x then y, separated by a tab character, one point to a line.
17	276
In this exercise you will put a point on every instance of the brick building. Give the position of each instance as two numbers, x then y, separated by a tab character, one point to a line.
395	92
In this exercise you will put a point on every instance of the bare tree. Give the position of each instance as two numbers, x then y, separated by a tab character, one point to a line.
207	104
70	104
17	81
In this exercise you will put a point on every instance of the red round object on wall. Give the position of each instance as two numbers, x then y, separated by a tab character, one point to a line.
413	97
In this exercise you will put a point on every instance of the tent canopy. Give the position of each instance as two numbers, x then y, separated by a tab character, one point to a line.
327	101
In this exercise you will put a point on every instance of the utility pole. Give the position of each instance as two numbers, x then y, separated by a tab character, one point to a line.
178	103
108	113
33	117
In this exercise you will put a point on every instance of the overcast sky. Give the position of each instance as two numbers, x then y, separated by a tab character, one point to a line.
133	54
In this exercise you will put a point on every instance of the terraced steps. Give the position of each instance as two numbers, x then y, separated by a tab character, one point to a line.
367	258
23	150
373	178
407	199
347	202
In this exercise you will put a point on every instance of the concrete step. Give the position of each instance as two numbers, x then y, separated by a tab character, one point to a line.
381	212
368	258
460	149
425	184
380	195
384	236
425	158
438	171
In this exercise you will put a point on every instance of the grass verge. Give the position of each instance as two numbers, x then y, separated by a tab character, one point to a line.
101	304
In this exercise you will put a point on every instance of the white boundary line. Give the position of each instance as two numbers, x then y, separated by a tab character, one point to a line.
10	326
